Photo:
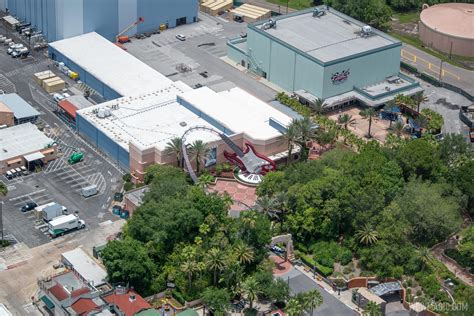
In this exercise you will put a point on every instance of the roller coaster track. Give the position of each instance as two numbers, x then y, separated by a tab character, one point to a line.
184	148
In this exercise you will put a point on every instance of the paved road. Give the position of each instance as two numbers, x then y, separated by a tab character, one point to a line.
430	64
300	283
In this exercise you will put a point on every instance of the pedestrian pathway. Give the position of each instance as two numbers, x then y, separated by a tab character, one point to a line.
453	266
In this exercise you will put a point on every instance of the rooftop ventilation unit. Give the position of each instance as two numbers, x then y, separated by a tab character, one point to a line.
183	124
317	13
270	24
103	113
366	30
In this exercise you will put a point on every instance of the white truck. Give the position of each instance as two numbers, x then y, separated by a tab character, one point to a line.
51	210
62	224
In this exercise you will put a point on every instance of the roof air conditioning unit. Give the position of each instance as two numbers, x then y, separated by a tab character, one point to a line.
366	30
318	13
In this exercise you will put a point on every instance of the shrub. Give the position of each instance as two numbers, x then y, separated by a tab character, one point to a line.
397	272
326	253
179	297
219	168
127	177
459	258
4	243
128	186
347	270
310	262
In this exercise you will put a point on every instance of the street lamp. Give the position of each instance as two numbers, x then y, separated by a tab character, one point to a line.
441	71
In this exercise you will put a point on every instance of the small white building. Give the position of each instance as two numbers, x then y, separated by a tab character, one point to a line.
84	266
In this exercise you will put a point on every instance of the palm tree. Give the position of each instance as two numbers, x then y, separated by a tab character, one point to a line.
189	267
290	136
425	257
419	98
318	105
398	128
251	290
3	193
266	205
175	146
199	151
216	261
368	113
294	307
305	131
315	299
372	309
243	252
367	235
345	119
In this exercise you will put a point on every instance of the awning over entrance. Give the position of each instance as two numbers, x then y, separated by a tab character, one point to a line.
34	156
47	302
386	288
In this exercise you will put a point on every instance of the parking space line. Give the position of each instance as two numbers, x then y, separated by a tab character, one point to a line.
26	195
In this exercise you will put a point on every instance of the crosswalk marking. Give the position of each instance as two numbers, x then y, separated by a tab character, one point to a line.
6	85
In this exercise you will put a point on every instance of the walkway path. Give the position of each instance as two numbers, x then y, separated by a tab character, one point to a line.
453	266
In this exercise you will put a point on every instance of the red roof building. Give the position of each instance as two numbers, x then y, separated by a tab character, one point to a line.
129	302
84	306
58	292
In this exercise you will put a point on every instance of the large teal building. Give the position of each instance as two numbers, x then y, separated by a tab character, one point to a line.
322	53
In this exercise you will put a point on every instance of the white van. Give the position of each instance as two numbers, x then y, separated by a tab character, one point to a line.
89	191
9	175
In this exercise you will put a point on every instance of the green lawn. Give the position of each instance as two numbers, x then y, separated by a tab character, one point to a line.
407	17
295	4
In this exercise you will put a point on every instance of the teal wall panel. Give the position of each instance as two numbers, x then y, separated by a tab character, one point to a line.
364	70
308	76
282	66
258	50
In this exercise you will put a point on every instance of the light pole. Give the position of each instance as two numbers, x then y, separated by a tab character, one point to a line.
287	1
1	219
441	71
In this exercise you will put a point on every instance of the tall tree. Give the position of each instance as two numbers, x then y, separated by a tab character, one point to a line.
294	307
291	135
3	193
424	256
419	98
190	267
372	309
315	299
175	146
318	105
216	261
216	299
368	114
305	131
243	252
250	289
390	107
345	119
367	235
398	128
199	151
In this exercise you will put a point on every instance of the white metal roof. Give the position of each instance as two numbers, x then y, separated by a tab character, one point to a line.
21	109
61	219
110	64
329	37
4	310
11	20
85	266
238	110
149	119
20	140
34	156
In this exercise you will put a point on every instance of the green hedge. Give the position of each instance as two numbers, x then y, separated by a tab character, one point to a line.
428	78
459	258
408	67
310	262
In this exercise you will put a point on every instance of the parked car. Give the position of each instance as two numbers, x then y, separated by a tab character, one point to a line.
181	37
20	52
13	48
28	206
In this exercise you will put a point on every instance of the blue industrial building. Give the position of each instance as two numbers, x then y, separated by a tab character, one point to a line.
59	19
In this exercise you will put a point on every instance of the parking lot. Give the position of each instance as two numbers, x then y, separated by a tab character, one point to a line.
198	59
58	181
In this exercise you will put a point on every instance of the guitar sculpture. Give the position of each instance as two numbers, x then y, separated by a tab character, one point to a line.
248	160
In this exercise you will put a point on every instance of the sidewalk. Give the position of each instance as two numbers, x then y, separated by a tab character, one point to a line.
453	266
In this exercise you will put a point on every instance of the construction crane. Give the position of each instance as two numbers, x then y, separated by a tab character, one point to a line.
121	38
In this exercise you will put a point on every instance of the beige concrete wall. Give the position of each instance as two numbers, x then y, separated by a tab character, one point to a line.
7	118
18	161
140	159
442	42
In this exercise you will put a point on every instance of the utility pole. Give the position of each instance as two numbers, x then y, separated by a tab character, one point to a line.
1	219
287	1
440	71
